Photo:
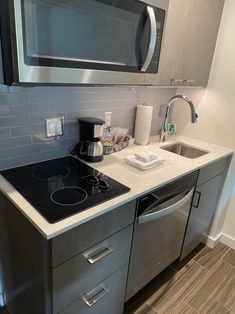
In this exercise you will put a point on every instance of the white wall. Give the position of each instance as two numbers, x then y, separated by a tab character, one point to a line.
216	110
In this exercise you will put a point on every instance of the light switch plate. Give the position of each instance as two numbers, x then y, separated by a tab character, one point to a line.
108	119
54	126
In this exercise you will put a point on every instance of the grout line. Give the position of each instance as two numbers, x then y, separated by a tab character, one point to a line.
206	247
152	308
228	309
221	257
226	252
229	264
201	265
191	307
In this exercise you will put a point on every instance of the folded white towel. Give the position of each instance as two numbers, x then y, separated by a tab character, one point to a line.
132	160
146	156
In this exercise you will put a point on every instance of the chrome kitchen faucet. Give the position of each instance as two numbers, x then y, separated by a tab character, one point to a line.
164	128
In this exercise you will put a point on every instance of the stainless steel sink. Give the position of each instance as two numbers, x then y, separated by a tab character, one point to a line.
185	150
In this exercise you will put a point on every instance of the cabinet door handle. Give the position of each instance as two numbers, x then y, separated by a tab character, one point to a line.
198	199
98	256
98	293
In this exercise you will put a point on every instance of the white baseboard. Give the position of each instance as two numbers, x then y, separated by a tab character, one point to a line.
224	238
229	241
212	242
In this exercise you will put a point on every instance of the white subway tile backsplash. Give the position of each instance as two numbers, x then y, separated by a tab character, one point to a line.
47	98
17	110
30	149
35	148
5	153
27	130
4	111
5	132
10	142
56	153
99	96
11	121
72	116
71	132
40	118
23	89
14	99
23	111
110	104
4	88
70	107
39	108
15	161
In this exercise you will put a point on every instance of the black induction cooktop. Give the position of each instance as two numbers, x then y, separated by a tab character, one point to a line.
61	187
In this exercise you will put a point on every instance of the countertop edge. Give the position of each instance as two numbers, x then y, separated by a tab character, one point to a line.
50	231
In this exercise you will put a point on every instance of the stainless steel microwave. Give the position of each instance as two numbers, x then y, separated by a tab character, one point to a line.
81	41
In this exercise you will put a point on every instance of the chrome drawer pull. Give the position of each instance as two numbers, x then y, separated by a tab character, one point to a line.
100	255
99	295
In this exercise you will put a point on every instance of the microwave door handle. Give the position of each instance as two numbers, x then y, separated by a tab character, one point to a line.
167	210
152	40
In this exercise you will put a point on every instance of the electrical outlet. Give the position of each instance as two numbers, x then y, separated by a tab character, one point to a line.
54	126
108	119
162	111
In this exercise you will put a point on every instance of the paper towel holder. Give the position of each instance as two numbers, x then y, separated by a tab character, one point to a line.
143	123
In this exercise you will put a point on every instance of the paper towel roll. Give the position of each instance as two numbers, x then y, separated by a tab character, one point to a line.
143	122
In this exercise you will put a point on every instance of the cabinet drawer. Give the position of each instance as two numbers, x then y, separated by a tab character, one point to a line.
83	271
105	298
81	238
211	171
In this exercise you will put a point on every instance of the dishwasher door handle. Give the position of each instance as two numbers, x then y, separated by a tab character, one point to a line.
165	211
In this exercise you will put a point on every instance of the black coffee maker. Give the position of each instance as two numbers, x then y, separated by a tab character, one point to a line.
90	147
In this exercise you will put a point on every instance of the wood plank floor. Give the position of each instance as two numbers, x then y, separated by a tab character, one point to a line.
204	283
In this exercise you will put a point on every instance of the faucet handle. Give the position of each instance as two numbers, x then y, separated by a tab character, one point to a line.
163	135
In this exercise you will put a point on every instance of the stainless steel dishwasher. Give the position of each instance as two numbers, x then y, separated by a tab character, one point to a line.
160	225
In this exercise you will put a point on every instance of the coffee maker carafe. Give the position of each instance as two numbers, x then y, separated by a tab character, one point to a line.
90	147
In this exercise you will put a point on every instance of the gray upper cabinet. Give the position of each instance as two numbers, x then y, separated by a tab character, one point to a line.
189	41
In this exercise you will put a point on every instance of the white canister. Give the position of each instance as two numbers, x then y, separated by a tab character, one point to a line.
143	123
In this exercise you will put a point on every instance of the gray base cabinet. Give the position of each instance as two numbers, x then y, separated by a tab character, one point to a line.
206	197
107	297
83	270
79	275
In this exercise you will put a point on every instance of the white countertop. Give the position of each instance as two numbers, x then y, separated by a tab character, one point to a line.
138	181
